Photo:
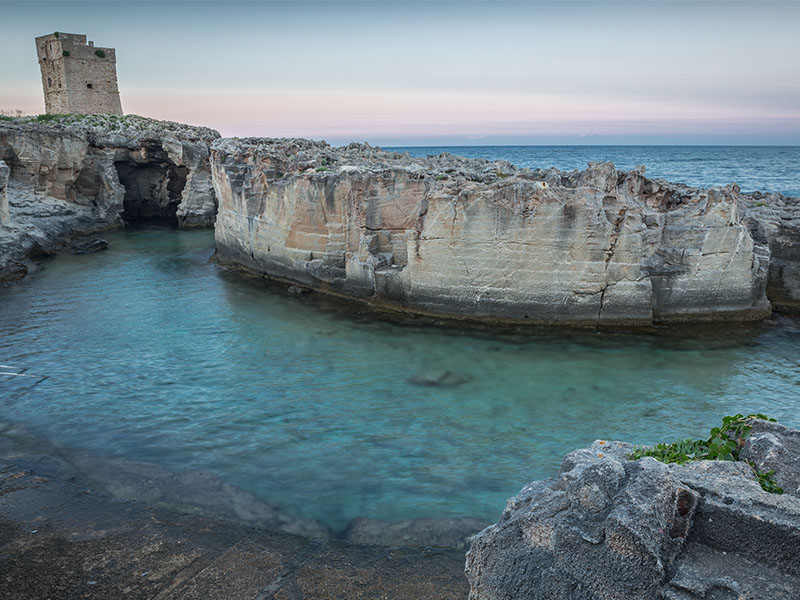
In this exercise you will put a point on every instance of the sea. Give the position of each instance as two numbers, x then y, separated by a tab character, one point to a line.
753	168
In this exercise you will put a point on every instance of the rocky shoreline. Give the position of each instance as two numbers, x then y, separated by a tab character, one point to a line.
203	493
607	526
442	236
60	540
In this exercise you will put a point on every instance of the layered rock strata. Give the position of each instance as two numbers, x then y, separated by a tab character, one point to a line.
483	240
609	527
775	221
77	175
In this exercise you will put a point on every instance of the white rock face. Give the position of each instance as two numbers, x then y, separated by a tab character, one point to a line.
483	240
78	175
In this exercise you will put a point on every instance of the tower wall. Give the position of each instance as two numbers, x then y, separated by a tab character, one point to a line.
77	77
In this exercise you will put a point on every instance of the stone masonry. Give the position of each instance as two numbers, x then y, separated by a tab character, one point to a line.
77	77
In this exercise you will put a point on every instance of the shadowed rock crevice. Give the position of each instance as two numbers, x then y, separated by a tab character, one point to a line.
153	192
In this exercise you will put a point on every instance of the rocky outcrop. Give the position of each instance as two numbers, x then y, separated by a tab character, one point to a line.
483	240
775	221
76	175
609	527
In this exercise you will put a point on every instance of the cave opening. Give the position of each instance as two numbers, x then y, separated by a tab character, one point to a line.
152	192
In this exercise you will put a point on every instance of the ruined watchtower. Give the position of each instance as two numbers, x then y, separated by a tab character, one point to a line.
77	77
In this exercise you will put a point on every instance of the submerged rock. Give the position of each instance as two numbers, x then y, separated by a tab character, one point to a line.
446	533
90	246
483	240
441	379
190	491
609	527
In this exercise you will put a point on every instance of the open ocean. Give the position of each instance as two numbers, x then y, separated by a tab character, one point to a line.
763	168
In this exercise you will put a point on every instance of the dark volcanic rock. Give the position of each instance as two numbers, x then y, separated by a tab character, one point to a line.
773	447
612	528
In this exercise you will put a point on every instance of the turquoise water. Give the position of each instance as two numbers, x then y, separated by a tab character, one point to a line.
154	354
763	168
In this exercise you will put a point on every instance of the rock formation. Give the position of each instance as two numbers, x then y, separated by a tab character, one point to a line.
4	172
444	236
775	221
609	527
76	175
483	240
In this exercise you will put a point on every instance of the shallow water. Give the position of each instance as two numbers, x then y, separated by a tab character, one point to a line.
154	354
763	168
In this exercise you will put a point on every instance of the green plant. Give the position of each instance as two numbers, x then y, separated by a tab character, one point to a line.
46	118
6	118
440	177
501	174
761	203
322	169
65	53
724	444
55	34
100	53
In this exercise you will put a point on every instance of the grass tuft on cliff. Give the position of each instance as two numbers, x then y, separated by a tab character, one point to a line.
724	443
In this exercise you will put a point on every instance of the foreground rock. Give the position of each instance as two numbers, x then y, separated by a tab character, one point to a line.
78	175
483	240
609	527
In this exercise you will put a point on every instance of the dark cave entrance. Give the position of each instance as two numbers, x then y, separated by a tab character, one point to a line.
152	192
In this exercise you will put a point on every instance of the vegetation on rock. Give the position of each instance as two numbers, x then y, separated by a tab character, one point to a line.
724	443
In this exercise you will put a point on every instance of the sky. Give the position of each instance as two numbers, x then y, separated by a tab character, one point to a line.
438	73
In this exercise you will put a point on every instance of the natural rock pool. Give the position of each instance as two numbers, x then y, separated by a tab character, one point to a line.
154	354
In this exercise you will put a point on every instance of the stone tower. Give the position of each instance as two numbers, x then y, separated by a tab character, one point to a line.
77	77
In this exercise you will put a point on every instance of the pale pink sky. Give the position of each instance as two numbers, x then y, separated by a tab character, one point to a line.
440	72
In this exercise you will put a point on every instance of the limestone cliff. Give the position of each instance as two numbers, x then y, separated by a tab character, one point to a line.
484	240
75	175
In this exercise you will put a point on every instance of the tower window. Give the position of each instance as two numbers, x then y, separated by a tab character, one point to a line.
89	85
49	82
